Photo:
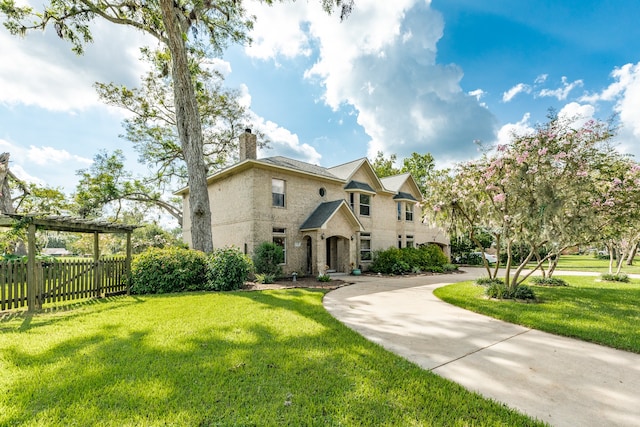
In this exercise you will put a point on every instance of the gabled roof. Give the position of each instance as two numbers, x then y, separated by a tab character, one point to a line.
396	182
325	211
346	170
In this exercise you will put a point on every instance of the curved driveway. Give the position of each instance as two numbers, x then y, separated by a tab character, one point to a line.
562	381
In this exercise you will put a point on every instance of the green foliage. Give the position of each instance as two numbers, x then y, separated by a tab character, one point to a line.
620	277
267	259
228	269
265	278
488	281
548	281
324	278
159	271
501	291
400	261
447	268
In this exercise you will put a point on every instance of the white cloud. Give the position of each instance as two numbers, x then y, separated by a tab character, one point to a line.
523	127
48	155
478	94
382	62
44	165
541	79
285	143
580	113
44	72
511	93
561	93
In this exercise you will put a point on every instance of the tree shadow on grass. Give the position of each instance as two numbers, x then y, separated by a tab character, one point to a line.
268	358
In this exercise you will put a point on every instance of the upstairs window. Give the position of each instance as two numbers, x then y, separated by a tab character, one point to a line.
277	192
408	213
365	204
399	211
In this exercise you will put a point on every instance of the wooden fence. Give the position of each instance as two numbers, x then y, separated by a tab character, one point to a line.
61	280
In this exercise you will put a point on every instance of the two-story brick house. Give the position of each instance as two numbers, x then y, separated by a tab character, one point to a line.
326	219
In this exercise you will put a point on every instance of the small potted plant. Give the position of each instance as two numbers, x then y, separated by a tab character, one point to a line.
355	271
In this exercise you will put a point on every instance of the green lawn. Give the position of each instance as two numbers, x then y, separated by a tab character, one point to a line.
589	263
606	313
224	359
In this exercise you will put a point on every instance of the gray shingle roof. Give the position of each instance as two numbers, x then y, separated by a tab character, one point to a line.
298	165
404	196
357	185
321	215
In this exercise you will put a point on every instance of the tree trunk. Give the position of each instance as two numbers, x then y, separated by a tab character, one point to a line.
6	204
189	128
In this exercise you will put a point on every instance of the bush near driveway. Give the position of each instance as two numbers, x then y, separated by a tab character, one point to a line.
161	271
406	260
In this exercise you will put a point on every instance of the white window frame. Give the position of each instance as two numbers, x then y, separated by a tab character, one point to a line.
281	235
362	205
408	212
365	237
283	194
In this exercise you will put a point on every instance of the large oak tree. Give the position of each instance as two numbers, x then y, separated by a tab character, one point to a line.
174	23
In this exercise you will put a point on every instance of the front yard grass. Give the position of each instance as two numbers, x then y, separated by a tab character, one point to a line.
606	313
272	358
590	263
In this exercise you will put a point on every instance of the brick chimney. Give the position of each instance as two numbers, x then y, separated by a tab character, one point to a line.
248	145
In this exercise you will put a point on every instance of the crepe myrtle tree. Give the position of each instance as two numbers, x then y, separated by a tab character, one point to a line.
618	206
175	24
538	190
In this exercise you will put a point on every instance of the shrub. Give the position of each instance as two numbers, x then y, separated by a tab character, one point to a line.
447	268
548	281
523	292
267	259
432	255
324	278
228	269
400	261
265	279
385	261
159	271
497	290
620	277
486	281
435	269
500	291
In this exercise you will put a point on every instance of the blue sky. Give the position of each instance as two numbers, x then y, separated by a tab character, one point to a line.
397	77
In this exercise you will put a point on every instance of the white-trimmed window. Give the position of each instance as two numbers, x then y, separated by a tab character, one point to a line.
408	211
365	204
280	239
278	192
399	211
352	202
365	247
409	240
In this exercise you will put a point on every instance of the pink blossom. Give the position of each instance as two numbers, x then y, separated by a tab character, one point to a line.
582	173
542	151
499	198
560	155
501	147
522	157
617	181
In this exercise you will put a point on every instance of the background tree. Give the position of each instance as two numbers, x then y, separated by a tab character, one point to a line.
171	23
108	182
152	128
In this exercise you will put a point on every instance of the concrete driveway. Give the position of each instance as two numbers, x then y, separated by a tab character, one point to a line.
562	381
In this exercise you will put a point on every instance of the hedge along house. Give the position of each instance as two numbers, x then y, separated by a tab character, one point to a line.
325	219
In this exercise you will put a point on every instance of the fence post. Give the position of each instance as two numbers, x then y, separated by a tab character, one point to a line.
127	264
97	276
33	302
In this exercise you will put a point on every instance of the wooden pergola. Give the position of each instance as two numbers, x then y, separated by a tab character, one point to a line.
62	223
